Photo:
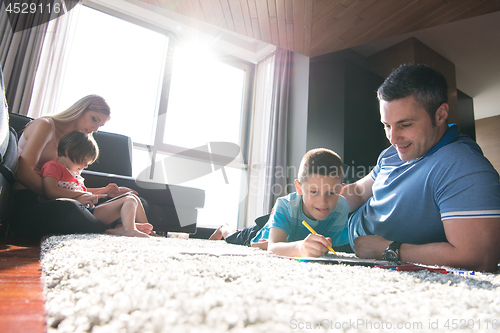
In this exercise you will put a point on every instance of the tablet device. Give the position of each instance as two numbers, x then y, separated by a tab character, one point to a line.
118	197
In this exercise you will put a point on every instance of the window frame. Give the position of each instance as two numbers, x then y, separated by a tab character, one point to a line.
161	147
160	114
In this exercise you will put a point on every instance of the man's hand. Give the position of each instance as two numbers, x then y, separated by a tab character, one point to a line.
472	244
262	244
370	247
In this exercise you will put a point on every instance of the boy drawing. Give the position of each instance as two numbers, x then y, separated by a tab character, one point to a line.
61	179
316	201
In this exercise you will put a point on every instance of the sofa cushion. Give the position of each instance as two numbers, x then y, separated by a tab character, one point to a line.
115	150
18	122
170	207
115	154
8	154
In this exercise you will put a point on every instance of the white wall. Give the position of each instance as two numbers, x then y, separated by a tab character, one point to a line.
297	121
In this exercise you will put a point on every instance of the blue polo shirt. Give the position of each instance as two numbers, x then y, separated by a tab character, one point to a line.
411	199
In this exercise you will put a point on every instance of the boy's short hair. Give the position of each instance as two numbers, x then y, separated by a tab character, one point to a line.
78	146
321	161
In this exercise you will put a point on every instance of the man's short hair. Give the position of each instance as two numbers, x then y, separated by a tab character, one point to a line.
424	83
320	161
78	146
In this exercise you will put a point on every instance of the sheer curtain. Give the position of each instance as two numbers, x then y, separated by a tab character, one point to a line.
30	75
267	179
48	79
19	55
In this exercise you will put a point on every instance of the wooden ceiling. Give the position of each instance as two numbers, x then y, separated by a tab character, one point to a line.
317	27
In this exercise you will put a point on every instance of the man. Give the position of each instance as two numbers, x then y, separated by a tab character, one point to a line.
433	198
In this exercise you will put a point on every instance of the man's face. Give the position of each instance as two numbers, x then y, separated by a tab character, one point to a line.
409	127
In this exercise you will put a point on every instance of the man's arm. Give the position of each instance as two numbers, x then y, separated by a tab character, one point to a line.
472	244
358	193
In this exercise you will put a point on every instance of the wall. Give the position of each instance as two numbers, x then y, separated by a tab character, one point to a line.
466	114
325	127
412	51
364	135
297	117
325	122
488	138
343	111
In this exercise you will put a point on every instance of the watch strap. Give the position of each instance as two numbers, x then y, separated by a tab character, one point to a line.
395	246
391	253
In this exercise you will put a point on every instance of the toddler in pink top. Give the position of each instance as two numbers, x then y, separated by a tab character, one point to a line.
61	179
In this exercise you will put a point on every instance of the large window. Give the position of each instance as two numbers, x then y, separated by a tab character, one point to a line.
120	61
169	95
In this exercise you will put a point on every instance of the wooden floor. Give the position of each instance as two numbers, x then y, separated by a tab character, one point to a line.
21	291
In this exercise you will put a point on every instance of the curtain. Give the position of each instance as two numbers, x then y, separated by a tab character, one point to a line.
20	49
49	75
276	178
23	37
267	179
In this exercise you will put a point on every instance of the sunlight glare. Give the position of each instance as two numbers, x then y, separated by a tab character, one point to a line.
218	88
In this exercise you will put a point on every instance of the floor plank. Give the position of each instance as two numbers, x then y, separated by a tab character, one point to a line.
21	290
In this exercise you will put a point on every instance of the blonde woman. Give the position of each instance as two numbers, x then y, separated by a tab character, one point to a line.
32	218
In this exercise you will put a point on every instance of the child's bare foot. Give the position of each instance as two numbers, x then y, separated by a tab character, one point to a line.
144	227
135	233
117	231
222	232
217	235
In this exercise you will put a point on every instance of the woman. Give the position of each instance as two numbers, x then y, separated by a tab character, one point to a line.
34	218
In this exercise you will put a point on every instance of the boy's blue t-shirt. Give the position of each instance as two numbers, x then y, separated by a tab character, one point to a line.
288	216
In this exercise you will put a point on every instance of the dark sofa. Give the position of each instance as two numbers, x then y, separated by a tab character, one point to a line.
8	157
169	208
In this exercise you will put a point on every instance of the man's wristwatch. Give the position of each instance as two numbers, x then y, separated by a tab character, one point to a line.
392	252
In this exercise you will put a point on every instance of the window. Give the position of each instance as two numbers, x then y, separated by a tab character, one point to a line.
169	95
120	61
219	90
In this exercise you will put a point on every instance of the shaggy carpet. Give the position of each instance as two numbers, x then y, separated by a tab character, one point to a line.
103	283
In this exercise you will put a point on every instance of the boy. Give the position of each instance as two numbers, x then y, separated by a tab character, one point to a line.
61	179
317	201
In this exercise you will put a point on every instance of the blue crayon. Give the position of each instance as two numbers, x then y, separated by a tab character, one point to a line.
460	272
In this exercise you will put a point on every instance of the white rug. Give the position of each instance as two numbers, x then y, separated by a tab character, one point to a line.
103	283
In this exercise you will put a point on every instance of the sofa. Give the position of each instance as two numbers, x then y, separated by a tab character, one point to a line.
169	208
8	157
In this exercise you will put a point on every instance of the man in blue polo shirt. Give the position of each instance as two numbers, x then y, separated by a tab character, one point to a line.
433	198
